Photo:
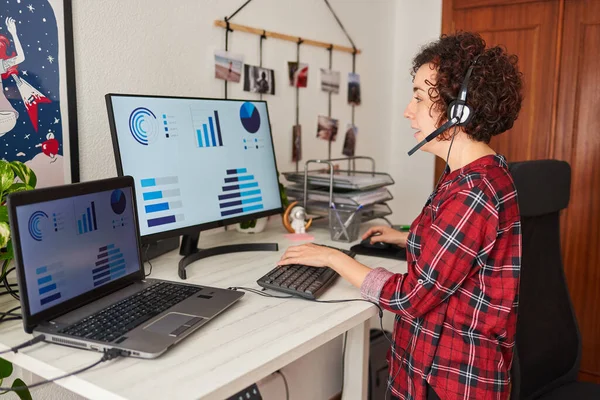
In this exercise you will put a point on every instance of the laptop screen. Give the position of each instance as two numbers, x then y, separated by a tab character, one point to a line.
74	245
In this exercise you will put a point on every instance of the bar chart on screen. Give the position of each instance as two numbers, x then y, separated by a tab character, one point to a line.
207	128
109	265
88	222
162	200
241	193
49	279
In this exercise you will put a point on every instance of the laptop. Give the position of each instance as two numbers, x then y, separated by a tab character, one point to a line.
81	275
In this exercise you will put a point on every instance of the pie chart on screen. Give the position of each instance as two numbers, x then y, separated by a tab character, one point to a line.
250	117
118	201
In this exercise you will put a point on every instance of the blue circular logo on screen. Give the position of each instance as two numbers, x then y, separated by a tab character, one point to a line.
143	125
250	117
118	202
34	225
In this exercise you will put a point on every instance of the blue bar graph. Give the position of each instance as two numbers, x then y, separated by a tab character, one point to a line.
206	139
156	207
41	270
208	129
47	289
148	182
50	298
236	171
235	198
45	279
47	284
111	265
161	221
87	222
152	195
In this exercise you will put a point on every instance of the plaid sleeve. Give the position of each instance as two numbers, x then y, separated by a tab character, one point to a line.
460	239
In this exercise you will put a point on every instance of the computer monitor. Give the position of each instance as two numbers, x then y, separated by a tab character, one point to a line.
198	164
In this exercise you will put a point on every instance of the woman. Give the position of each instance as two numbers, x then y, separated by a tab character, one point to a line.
456	307
8	67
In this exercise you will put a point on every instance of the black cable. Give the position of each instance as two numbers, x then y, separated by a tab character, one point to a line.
345	338
28	343
9	287
285	382
148	261
8	316
340	24
108	355
238	10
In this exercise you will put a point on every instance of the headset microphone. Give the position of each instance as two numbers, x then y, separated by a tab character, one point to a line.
459	112
449	124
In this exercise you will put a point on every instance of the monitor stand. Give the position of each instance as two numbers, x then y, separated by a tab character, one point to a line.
190	251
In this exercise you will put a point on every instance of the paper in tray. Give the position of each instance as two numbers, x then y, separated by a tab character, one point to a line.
348	180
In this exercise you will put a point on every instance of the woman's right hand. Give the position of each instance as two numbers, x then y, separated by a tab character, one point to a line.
11	26
387	235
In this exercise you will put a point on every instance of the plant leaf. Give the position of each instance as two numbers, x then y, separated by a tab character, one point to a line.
6	368
7	176
7	253
22	393
25	174
3	214
4	234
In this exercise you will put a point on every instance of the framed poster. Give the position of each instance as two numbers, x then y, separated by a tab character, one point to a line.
38	118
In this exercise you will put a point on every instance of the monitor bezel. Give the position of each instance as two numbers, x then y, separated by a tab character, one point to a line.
192	229
17	199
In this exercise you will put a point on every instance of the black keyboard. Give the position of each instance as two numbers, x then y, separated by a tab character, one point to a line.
111	323
301	280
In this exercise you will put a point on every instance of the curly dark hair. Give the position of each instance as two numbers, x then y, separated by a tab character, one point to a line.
494	90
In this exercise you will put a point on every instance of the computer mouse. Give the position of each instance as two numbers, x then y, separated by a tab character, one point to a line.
375	245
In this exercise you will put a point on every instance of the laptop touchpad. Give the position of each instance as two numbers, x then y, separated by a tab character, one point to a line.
173	324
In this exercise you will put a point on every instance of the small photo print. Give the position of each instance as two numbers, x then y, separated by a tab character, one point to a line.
353	89
228	66
330	80
298	74
296	143
350	140
327	128
259	80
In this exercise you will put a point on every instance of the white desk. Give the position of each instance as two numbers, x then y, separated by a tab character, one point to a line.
251	340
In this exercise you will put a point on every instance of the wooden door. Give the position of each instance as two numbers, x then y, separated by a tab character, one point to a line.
530	31
578	143
557	42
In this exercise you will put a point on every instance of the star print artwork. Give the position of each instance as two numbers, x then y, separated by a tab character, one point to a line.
31	130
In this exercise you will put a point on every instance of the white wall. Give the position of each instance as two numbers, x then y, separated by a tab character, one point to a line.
166	47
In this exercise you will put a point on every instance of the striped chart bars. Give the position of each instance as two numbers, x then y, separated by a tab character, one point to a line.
241	193
48	280
110	265
207	128
161	200
88	222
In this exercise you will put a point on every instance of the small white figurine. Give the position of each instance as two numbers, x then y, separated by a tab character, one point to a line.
298	216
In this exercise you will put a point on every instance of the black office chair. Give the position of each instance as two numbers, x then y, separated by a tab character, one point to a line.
548	343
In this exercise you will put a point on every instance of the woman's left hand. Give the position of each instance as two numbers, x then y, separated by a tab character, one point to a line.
308	254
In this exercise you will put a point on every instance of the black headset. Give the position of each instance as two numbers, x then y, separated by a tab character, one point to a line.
459	112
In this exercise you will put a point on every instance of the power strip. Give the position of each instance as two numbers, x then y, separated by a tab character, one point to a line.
250	393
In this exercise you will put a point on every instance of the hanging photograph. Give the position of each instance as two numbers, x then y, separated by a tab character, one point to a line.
298	73
350	140
38	124
259	80
296	143
327	128
330	80
228	66
353	89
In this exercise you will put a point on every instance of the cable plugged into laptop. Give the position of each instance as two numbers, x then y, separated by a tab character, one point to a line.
28	343
110	354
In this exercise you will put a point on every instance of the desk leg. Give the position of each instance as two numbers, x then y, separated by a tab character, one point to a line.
356	368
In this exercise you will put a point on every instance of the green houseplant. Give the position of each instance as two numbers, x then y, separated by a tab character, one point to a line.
14	177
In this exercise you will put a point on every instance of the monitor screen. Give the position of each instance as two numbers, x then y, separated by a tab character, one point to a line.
74	245
197	163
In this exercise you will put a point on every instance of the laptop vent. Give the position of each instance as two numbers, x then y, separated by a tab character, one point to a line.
69	342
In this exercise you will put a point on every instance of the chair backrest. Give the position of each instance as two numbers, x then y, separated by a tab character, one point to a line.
548	341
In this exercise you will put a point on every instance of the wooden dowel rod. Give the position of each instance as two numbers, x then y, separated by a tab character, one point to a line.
282	36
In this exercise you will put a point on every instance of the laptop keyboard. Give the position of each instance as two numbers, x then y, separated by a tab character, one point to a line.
113	322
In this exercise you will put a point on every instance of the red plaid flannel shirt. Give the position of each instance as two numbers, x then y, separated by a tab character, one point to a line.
456	307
